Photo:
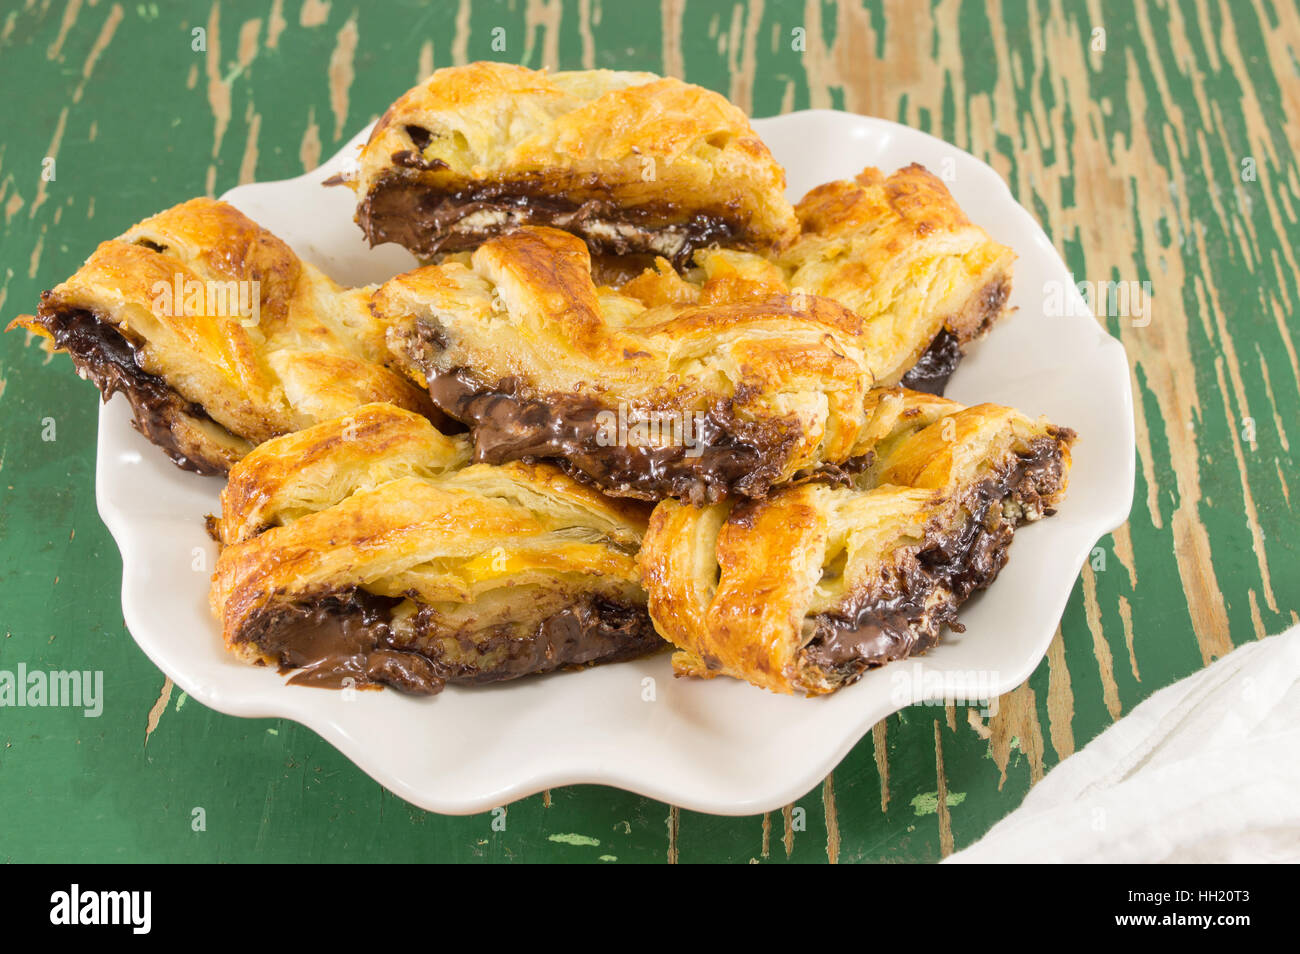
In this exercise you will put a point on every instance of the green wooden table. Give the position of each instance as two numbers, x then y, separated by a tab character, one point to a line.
1155	144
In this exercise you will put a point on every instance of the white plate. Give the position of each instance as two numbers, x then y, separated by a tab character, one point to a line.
719	746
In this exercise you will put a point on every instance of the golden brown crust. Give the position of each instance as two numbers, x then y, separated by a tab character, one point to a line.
381	507
311	469
608	151
784	375
762	590
201	301
897	250
900	252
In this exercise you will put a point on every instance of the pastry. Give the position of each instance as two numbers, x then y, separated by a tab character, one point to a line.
744	390
900	252
897	250
360	551
810	587
218	335
631	162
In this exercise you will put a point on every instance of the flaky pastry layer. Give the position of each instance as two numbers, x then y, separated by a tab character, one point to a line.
631	162
895	249
806	590
218	334
737	393
359	551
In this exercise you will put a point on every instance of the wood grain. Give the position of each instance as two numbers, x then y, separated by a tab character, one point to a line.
1160	150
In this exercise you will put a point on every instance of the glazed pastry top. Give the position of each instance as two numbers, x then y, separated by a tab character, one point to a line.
633	140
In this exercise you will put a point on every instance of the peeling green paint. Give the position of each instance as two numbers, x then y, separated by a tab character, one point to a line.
569	839
927	803
1197	89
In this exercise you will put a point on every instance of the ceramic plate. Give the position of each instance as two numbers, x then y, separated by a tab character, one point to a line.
719	746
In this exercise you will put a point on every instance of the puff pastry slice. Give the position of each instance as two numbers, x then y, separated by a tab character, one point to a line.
744	390
806	590
631	162
900	252
360	552
218	335
897	250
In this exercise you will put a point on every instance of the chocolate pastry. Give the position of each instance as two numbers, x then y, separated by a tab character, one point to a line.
363	551
630	162
218	335
738	393
816	584
897	250
900	252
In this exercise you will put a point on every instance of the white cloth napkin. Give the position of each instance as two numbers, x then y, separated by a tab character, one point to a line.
1206	770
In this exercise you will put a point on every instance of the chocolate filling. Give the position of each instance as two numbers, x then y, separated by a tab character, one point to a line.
936	365
990	304
933	369
105	356
907	615
349	640
430	221
723	454
592	631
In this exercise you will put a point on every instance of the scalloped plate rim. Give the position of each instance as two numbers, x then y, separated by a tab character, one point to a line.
268	698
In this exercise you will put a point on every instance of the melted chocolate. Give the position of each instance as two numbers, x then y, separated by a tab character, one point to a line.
421	138
348	640
730	455
426	220
104	355
341	641
992	301
593	631
906	618
932	371
936	365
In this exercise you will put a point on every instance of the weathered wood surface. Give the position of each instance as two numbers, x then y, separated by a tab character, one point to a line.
1161	150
